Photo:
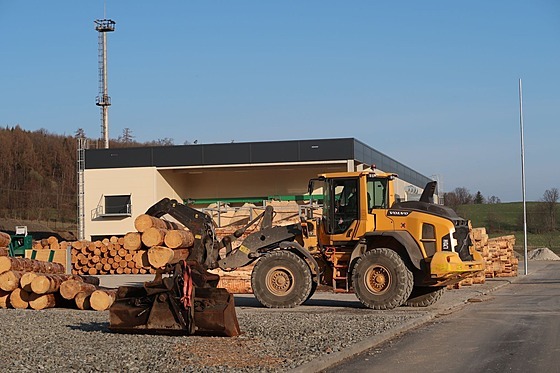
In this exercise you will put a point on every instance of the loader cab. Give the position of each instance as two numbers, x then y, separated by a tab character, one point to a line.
349	200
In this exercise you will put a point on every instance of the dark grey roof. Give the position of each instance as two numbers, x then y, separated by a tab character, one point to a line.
250	153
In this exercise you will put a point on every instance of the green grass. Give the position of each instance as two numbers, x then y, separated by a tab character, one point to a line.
507	218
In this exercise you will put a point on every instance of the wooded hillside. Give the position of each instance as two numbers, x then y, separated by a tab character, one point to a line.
38	171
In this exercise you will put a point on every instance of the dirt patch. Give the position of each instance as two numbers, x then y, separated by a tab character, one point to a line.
227	352
542	253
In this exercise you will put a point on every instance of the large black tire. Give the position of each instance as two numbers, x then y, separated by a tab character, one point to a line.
381	280
423	296
281	279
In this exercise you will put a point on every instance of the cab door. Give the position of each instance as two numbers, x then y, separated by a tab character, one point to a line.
341	207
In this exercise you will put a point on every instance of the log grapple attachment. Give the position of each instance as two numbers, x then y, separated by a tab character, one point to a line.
181	300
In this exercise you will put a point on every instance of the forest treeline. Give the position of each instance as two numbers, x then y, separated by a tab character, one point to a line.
38	173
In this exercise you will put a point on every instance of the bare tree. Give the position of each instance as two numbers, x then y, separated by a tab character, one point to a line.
550	200
464	197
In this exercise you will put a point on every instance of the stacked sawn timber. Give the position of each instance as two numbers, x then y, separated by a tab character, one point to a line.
498	254
29	283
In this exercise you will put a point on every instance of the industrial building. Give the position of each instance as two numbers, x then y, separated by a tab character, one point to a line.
119	184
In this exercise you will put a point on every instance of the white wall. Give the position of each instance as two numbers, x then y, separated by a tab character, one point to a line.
144	184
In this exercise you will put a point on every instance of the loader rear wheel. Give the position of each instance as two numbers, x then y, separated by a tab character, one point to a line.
381	279
424	296
281	279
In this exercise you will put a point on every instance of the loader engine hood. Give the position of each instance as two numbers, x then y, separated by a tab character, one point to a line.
430	208
461	234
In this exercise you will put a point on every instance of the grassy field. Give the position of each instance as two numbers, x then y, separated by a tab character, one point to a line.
507	218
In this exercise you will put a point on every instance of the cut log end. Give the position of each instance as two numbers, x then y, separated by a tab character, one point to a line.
101	300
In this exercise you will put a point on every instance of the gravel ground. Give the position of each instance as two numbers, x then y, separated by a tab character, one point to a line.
273	340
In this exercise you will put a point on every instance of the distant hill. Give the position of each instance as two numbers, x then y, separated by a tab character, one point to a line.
38	173
507	218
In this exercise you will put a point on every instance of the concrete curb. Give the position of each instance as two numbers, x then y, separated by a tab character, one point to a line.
324	362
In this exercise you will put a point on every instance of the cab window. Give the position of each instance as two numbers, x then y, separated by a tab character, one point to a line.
377	193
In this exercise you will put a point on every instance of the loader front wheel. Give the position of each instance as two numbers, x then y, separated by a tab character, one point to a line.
381	280
281	279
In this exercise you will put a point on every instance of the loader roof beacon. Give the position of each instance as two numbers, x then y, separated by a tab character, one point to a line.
362	240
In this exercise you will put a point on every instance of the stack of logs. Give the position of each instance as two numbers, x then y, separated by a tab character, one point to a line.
498	254
156	243
108	256
5	240
28	283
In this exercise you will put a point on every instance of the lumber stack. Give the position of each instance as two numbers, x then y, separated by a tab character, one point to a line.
498	254
28	283
236	282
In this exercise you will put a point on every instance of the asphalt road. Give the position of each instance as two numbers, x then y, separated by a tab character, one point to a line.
514	329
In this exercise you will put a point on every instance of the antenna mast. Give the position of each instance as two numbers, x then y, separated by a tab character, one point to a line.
103	26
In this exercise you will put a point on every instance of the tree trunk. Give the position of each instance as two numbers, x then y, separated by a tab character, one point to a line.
101	300
40	302
29	265
179	239
132	241
5	299
26	279
82	300
159	256
5	239
9	281
143	222
153	236
19	298
141	259
69	288
44	284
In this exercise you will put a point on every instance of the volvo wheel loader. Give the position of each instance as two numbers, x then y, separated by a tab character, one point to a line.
389	253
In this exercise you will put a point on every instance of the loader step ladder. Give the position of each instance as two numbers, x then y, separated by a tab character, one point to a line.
340	258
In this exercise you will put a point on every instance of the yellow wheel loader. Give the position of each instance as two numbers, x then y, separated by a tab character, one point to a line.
389	253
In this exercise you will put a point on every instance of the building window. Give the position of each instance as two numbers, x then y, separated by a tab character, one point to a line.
118	205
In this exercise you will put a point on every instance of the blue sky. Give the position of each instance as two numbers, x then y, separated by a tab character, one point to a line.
433	84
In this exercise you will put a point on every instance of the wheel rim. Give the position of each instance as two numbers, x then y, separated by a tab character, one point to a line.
377	279
280	281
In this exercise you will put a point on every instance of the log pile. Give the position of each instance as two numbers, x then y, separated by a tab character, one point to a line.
5	240
28	283
108	256
158	242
